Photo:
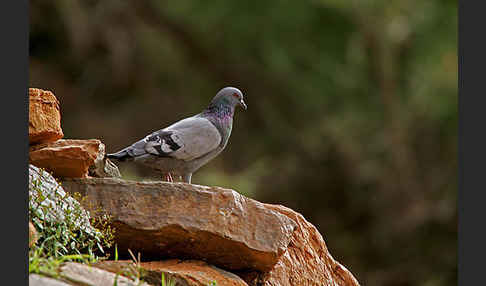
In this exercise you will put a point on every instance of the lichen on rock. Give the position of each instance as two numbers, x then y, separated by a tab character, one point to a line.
49	201
63	225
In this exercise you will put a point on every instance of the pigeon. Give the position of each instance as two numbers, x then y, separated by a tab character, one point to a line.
185	146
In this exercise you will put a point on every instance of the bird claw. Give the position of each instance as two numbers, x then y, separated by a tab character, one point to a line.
168	178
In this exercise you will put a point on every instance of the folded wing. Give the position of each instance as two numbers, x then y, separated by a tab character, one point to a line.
186	140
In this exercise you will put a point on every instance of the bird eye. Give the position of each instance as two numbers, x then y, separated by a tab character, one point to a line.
235	95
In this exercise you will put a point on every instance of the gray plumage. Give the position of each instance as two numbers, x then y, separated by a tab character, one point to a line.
185	146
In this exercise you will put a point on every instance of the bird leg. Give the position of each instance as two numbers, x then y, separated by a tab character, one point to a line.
168	177
187	178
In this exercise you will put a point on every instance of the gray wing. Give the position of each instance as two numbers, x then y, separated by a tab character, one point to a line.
185	140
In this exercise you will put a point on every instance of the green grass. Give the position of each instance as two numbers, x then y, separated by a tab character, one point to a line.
39	263
164	282
66	239
64	229
116	253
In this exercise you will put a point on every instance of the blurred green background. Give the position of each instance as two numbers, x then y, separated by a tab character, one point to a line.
351	120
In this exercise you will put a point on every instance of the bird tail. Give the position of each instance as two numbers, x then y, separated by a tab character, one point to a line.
120	156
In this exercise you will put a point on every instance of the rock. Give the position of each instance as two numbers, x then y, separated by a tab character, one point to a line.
82	274
38	280
49	202
103	167
264	244
178	220
44	117
184	273
193	272
32	235
307	260
126	268
67	157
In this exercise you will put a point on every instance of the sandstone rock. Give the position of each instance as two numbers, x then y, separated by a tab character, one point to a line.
183	273
44	117
177	220
194	272
66	157
264	244
32	235
38	280
82	274
307	260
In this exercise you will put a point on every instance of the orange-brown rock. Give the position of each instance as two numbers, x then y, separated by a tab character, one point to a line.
266	245
32	235
66	157
44	117
307	260
178	220
194	272
183	272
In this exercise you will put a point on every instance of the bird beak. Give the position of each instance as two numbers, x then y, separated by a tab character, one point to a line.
243	104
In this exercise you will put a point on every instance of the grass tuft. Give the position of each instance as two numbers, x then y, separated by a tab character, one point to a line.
65	230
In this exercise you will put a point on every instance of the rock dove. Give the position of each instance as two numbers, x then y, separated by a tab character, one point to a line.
185	146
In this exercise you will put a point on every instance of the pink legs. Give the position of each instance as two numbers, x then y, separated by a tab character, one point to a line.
168	178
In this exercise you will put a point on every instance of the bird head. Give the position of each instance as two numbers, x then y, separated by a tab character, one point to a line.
229	96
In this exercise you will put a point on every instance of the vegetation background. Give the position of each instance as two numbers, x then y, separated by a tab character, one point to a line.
351	120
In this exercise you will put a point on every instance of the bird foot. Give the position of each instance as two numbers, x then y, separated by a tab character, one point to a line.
168	178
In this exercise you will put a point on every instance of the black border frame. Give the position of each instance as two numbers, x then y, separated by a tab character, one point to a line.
15	31
472	143
14	23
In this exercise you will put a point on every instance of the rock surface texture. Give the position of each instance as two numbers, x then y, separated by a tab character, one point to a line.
264	244
77	274
184	273
38	280
32	235
179	220
67	157
102	166
44	117
195	272
82	274
307	260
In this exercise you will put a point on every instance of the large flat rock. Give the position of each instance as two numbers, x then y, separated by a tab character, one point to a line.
178	220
